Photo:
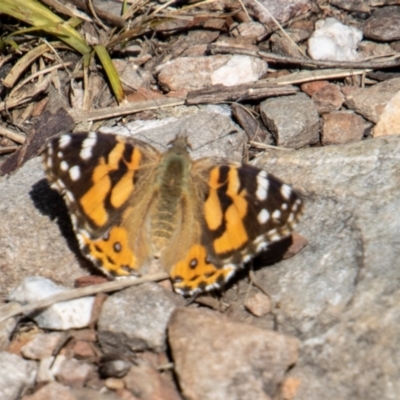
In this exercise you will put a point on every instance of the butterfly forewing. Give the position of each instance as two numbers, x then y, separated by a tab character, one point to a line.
99	175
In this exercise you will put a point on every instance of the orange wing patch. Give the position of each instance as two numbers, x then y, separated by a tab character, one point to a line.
195	273
93	201
235	235
111	252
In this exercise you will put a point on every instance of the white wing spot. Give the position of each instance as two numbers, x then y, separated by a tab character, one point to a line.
276	237
69	196
75	173
284	206
259	240
262	185
60	154
276	214
64	141
64	166
49	162
286	191
60	184
296	205
263	216
262	247
87	146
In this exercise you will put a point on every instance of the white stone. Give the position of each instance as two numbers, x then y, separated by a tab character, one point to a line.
334	41
44	372
238	70
16	375
65	315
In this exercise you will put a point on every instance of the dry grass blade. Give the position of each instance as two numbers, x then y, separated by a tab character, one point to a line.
23	63
40	17
82	292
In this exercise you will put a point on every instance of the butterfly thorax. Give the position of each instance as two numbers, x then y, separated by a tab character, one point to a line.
172	182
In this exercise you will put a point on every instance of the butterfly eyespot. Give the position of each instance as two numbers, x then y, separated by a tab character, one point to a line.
193	263
117	247
106	236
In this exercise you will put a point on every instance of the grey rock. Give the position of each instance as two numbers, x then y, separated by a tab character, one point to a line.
17	375
353	5
7	326
340	294
210	132
383	25
282	11
136	319
293	120
30	243
216	358
370	102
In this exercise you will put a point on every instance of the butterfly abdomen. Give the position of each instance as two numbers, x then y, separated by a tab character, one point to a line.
172	180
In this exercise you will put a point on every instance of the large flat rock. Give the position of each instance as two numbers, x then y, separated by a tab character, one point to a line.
340	295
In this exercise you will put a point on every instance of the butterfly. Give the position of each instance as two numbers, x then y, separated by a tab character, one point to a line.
133	207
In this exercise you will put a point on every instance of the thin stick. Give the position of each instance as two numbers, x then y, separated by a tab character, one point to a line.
385	62
83	292
14	136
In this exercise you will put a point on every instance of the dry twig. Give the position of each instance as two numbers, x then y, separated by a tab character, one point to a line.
82	292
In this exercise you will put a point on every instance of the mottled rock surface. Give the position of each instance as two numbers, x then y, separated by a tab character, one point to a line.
340	294
216	358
